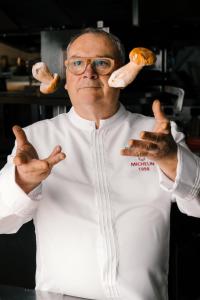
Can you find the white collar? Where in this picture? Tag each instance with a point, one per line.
(90, 125)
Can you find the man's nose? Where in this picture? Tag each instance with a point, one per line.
(90, 72)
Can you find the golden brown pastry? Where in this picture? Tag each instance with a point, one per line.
(49, 81)
(139, 57)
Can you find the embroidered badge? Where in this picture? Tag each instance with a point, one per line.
(141, 164)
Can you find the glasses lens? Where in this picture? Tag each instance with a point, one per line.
(76, 65)
(102, 66)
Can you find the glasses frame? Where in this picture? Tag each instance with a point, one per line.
(89, 60)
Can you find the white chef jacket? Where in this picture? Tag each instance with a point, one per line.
(101, 219)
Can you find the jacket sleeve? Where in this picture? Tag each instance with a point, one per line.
(16, 207)
(186, 188)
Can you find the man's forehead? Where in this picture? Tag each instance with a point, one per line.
(89, 36)
(92, 45)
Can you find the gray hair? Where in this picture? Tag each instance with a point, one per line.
(120, 51)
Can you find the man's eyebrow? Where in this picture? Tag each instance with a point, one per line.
(75, 56)
(106, 56)
(96, 56)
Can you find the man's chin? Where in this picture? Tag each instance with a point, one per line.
(89, 99)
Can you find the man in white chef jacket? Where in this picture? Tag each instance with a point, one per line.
(101, 199)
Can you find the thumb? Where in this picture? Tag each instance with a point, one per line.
(158, 112)
(20, 136)
(162, 124)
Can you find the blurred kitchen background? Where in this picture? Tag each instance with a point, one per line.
(39, 30)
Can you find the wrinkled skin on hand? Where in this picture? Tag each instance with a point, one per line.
(30, 170)
(158, 145)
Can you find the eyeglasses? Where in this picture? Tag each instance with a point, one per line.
(101, 65)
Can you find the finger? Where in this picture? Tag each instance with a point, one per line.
(55, 151)
(134, 152)
(54, 159)
(152, 137)
(20, 136)
(56, 156)
(140, 148)
(138, 145)
(37, 166)
(158, 112)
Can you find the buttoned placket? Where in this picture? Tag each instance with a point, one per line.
(107, 241)
(107, 244)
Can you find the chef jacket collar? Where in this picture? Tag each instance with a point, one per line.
(90, 125)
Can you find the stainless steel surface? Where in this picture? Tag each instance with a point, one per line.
(17, 293)
(174, 91)
(180, 97)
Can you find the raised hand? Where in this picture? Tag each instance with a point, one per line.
(158, 145)
(30, 170)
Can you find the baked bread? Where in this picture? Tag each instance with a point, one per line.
(49, 81)
(139, 57)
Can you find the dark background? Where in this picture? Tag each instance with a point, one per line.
(171, 28)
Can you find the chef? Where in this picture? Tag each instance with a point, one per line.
(98, 183)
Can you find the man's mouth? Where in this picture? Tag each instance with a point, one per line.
(89, 87)
(85, 87)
